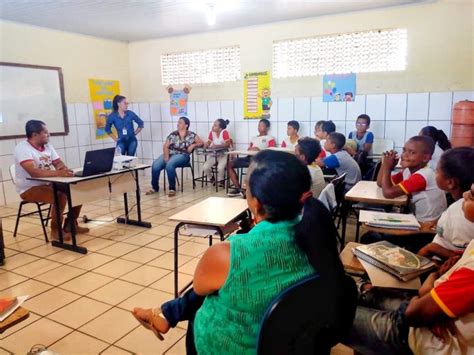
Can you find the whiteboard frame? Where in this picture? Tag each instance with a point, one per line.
(61, 88)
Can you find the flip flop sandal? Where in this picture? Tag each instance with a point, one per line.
(149, 325)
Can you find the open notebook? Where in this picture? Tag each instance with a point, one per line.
(389, 220)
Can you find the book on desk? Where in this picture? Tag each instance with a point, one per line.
(397, 261)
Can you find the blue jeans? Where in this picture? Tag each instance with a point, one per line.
(175, 161)
(379, 325)
(128, 145)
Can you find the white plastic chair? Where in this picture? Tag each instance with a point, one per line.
(381, 145)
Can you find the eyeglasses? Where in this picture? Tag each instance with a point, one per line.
(361, 124)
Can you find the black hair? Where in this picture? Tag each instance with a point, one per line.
(319, 123)
(328, 127)
(34, 126)
(186, 121)
(266, 122)
(338, 139)
(294, 124)
(455, 164)
(427, 142)
(117, 99)
(222, 123)
(310, 148)
(365, 117)
(277, 181)
(437, 135)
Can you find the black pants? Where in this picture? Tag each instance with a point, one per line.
(181, 309)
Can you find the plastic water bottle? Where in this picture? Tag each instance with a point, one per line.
(118, 151)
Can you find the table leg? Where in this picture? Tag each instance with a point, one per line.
(127, 220)
(176, 235)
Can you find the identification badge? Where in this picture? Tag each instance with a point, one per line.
(124, 132)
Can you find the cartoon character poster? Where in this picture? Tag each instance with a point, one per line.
(178, 100)
(339, 87)
(257, 95)
(102, 93)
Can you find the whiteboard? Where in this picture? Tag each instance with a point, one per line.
(31, 92)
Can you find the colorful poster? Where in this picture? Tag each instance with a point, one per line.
(339, 87)
(178, 103)
(257, 95)
(102, 93)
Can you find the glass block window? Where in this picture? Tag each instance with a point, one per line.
(358, 52)
(201, 67)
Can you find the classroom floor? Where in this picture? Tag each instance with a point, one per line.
(81, 303)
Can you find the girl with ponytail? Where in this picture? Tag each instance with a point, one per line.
(442, 143)
(294, 237)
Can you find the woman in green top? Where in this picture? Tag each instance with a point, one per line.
(236, 281)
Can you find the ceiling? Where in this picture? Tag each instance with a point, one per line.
(132, 20)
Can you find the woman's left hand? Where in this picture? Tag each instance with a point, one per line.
(191, 148)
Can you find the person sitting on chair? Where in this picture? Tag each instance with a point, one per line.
(235, 282)
(36, 157)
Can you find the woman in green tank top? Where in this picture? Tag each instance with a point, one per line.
(235, 282)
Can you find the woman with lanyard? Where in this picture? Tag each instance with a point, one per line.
(122, 119)
(176, 151)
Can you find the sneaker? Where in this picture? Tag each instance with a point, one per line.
(150, 192)
(171, 193)
(234, 192)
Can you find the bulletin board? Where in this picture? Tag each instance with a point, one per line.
(31, 92)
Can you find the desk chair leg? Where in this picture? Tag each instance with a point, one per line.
(357, 230)
(182, 179)
(192, 175)
(18, 217)
(40, 212)
(48, 216)
(344, 209)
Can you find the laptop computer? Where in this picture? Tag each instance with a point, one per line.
(97, 162)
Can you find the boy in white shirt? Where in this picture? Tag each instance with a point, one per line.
(307, 150)
(35, 157)
(292, 133)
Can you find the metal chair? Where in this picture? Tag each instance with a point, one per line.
(40, 206)
(188, 165)
(309, 317)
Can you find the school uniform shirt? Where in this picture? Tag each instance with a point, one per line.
(317, 180)
(42, 157)
(454, 231)
(368, 137)
(438, 152)
(453, 292)
(287, 143)
(262, 142)
(344, 163)
(218, 140)
(124, 126)
(427, 201)
(324, 153)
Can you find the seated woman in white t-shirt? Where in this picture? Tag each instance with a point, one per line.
(307, 150)
(292, 133)
(442, 143)
(260, 142)
(219, 137)
(35, 157)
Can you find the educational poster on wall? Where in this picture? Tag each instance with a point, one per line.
(102, 93)
(257, 95)
(178, 103)
(339, 87)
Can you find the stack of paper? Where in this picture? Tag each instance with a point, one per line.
(389, 220)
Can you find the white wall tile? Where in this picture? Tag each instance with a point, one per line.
(155, 112)
(145, 133)
(5, 162)
(7, 146)
(239, 110)
(417, 106)
(355, 108)
(135, 108)
(214, 108)
(274, 110)
(167, 128)
(202, 111)
(340, 126)
(90, 111)
(144, 111)
(11, 196)
(227, 110)
(319, 110)
(395, 130)
(445, 126)
(280, 129)
(337, 111)
(202, 129)
(241, 133)
(147, 150)
(375, 107)
(165, 112)
(156, 134)
(82, 113)
(84, 135)
(440, 106)
(306, 129)
(285, 109)
(57, 141)
(191, 114)
(62, 153)
(157, 149)
(71, 114)
(378, 128)
(462, 95)
(302, 109)
(413, 128)
(253, 129)
(396, 107)
(72, 157)
(71, 140)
